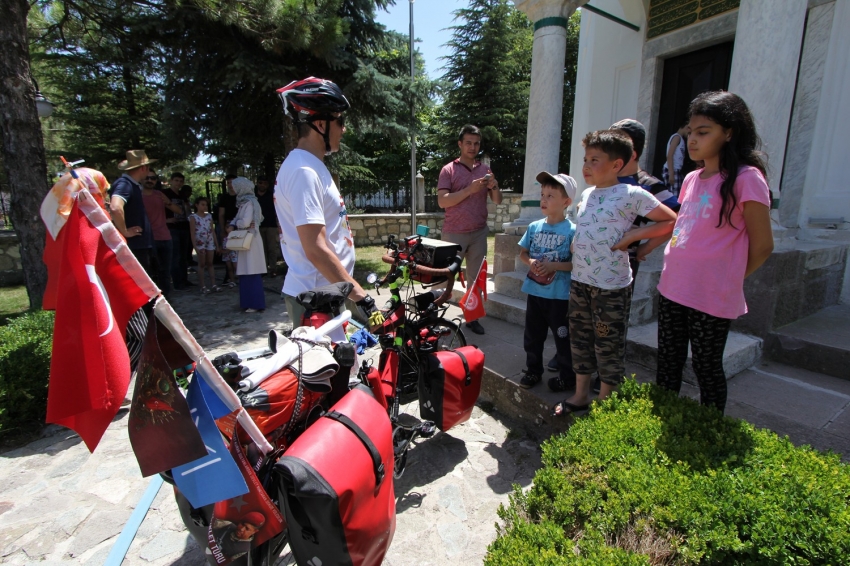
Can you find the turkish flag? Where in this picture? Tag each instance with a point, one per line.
(472, 303)
(100, 285)
(243, 523)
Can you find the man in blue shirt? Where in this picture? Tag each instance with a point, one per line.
(128, 209)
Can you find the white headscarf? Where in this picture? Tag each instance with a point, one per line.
(245, 193)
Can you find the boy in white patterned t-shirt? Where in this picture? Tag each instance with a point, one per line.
(600, 293)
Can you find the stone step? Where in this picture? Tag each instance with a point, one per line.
(510, 283)
(510, 305)
(820, 342)
(742, 351)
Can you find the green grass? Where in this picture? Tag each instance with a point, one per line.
(369, 260)
(13, 301)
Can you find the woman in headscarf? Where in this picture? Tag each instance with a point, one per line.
(252, 262)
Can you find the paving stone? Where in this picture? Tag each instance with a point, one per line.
(451, 498)
(71, 519)
(163, 544)
(41, 542)
(455, 537)
(101, 526)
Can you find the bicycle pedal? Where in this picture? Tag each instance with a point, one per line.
(408, 421)
(427, 429)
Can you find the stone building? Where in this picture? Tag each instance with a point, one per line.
(647, 59)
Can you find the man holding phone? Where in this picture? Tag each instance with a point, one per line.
(462, 192)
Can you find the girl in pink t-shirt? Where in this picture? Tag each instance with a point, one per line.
(722, 235)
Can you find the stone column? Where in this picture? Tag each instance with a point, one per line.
(543, 137)
(768, 40)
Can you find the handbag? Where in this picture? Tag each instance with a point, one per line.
(239, 240)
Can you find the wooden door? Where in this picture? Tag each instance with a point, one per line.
(686, 76)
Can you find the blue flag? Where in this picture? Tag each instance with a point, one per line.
(216, 476)
(214, 403)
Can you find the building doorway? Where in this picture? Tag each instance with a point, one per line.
(686, 76)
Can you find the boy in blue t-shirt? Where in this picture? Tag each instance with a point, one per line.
(546, 251)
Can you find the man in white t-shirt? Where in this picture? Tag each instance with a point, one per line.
(316, 238)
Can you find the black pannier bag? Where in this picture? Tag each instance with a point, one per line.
(335, 485)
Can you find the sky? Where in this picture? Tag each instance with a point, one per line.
(431, 20)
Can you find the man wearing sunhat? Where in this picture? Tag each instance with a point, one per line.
(128, 208)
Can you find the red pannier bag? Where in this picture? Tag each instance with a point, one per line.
(273, 403)
(335, 485)
(449, 386)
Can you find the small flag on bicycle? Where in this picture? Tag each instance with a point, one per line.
(215, 477)
(472, 303)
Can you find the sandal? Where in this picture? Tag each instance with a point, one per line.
(217, 289)
(205, 291)
(230, 284)
(566, 408)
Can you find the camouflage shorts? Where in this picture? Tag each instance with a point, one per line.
(598, 319)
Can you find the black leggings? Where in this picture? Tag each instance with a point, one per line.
(678, 325)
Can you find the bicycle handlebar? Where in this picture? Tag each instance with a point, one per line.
(449, 272)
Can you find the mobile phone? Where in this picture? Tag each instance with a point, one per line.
(488, 176)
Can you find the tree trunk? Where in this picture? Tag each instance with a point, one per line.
(23, 145)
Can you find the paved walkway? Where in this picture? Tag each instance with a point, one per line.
(62, 505)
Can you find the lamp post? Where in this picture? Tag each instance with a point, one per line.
(43, 106)
(412, 133)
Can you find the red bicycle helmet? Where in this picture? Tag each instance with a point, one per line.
(312, 99)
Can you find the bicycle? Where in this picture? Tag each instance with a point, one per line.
(413, 327)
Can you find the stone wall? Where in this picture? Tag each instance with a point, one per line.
(373, 229)
(11, 270)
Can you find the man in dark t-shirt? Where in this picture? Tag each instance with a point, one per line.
(178, 226)
(127, 207)
(632, 174)
(269, 228)
(227, 209)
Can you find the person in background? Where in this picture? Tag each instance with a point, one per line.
(269, 229)
(226, 208)
(251, 264)
(156, 204)
(178, 227)
(672, 172)
(462, 191)
(723, 234)
(205, 242)
(127, 208)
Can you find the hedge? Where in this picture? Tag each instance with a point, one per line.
(649, 478)
(25, 346)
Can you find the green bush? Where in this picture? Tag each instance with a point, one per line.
(649, 478)
(25, 346)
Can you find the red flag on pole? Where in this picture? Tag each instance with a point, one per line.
(100, 286)
(472, 303)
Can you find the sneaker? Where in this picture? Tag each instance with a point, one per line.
(529, 379)
(475, 326)
(230, 284)
(596, 384)
(553, 364)
(558, 384)
(252, 310)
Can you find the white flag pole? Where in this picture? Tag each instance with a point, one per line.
(165, 314)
